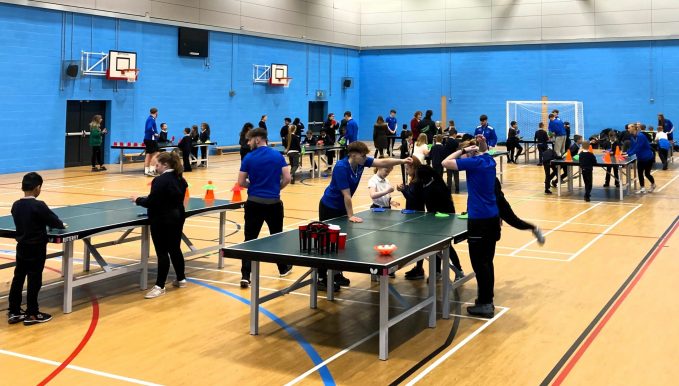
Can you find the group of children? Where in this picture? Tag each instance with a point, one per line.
(186, 144)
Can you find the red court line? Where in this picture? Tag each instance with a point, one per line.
(585, 345)
(46, 267)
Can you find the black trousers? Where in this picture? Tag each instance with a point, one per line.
(194, 151)
(243, 153)
(166, 234)
(96, 156)
(187, 161)
(203, 155)
(541, 149)
(256, 215)
(390, 149)
(381, 151)
(644, 168)
(293, 158)
(330, 155)
(514, 146)
(663, 153)
(453, 175)
(30, 262)
(551, 172)
(615, 175)
(587, 179)
(326, 213)
(483, 235)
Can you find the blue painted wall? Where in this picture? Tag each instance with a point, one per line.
(615, 81)
(185, 90)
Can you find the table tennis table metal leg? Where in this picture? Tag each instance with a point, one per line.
(569, 175)
(621, 186)
(122, 157)
(502, 171)
(67, 264)
(432, 289)
(384, 317)
(330, 284)
(86, 258)
(636, 176)
(222, 236)
(254, 299)
(145, 247)
(445, 286)
(558, 184)
(313, 293)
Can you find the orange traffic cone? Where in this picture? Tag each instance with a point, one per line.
(236, 193)
(618, 152)
(186, 195)
(209, 191)
(569, 157)
(607, 157)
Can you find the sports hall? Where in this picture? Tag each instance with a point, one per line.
(592, 304)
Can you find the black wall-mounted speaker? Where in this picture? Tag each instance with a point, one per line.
(193, 42)
(72, 70)
(346, 82)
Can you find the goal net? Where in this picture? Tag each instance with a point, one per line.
(529, 114)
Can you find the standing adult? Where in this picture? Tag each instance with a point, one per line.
(330, 126)
(95, 141)
(645, 157)
(204, 137)
(262, 122)
(265, 173)
(300, 127)
(484, 221)
(557, 129)
(243, 139)
(165, 204)
(284, 130)
(380, 139)
(414, 123)
(487, 131)
(150, 141)
(392, 125)
(427, 126)
(351, 133)
(668, 127)
(336, 200)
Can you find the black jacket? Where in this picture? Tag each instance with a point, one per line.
(541, 136)
(31, 219)
(587, 161)
(204, 136)
(435, 192)
(437, 154)
(162, 137)
(165, 203)
(185, 144)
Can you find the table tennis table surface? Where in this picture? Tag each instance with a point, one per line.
(413, 234)
(87, 219)
(599, 161)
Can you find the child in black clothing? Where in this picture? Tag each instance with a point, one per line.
(406, 135)
(437, 154)
(575, 150)
(204, 137)
(162, 137)
(412, 191)
(507, 214)
(310, 140)
(587, 161)
(550, 171)
(542, 138)
(31, 219)
(195, 137)
(614, 146)
(451, 146)
(185, 146)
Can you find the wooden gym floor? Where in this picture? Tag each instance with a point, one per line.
(594, 305)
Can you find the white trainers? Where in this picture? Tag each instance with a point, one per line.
(179, 284)
(652, 188)
(537, 232)
(155, 292)
(641, 191)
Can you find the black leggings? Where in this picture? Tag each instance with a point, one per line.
(453, 175)
(483, 235)
(644, 168)
(381, 151)
(30, 262)
(256, 215)
(167, 237)
(96, 156)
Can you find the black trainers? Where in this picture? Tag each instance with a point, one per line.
(322, 285)
(553, 183)
(342, 280)
(244, 283)
(40, 317)
(587, 199)
(102, 168)
(547, 191)
(13, 318)
(392, 275)
(415, 274)
(482, 310)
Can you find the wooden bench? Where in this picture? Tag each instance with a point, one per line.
(131, 157)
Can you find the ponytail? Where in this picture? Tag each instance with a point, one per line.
(172, 160)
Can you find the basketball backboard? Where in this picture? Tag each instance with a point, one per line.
(119, 62)
(279, 75)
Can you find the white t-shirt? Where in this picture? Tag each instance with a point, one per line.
(418, 151)
(660, 135)
(380, 185)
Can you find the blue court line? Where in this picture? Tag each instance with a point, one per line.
(306, 346)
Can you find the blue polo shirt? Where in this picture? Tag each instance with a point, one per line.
(556, 126)
(488, 133)
(480, 170)
(150, 128)
(343, 178)
(641, 148)
(263, 166)
(391, 123)
(351, 131)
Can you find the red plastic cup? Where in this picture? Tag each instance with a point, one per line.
(342, 240)
(115, 143)
(129, 144)
(136, 144)
(143, 144)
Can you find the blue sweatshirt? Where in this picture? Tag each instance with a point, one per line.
(488, 133)
(556, 126)
(150, 128)
(391, 123)
(351, 131)
(641, 148)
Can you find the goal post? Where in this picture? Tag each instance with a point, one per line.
(529, 114)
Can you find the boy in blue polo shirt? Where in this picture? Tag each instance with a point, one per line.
(484, 222)
(486, 131)
(392, 126)
(261, 171)
(336, 200)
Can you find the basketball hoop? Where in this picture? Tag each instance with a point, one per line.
(281, 82)
(131, 74)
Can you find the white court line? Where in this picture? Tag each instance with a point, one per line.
(600, 235)
(524, 257)
(538, 250)
(78, 368)
(555, 229)
(573, 223)
(455, 349)
(666, 184)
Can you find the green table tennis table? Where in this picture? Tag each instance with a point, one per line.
(86, 221)
(317, 150)
(627, 172)
(417, 235)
